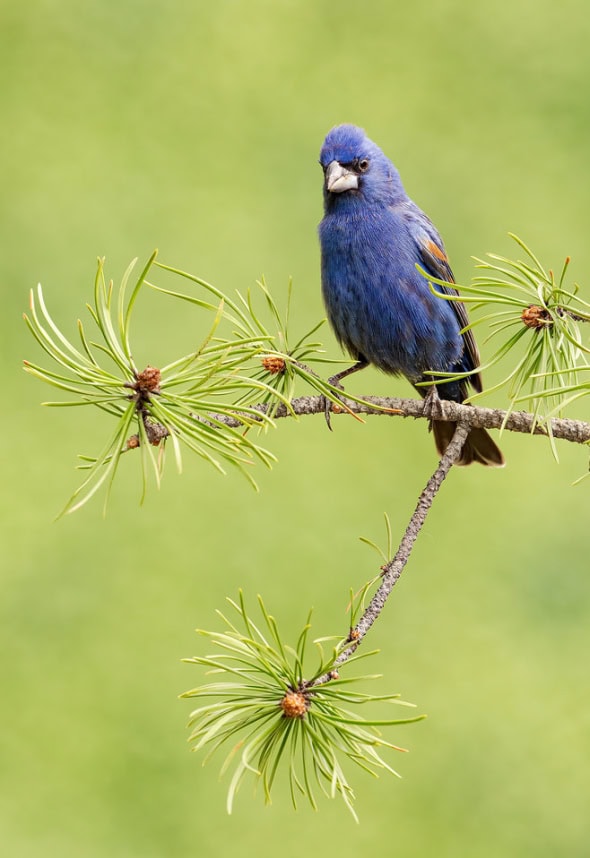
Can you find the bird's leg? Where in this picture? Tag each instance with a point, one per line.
(335, 380)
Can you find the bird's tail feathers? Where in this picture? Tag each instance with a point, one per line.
(479, 445)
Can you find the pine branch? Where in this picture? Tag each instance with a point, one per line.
(249, 365)
(244, 373)
(264, 685)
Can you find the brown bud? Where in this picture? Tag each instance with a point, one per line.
(334, 674)
(354, 635)
(535, 317)
(274, 364)
(149, 379)
(132, 442)
(294, 704)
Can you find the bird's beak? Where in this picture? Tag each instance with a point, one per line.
(339, 179)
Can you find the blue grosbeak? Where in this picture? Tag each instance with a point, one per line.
(379, 305)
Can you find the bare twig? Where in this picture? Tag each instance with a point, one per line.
(394, 568)
(576, 431)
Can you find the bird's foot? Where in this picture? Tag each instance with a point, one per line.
(432, 406)
(329, 405)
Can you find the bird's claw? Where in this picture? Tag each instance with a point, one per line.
(329, 404)
(327, 410)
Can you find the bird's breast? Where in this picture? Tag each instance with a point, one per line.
(378, 304)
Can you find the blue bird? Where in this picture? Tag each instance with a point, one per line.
(379, 306)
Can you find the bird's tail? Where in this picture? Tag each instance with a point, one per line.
(479, 445)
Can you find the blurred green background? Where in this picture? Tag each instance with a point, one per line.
(195, 127)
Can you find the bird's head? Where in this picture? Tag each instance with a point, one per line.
(354, 166)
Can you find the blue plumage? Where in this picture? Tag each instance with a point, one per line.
(380, 307)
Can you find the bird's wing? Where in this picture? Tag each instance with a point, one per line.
(435, 260)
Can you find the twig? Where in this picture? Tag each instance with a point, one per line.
(394, 568)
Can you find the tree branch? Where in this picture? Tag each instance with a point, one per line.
(392, 570)
(576, 431)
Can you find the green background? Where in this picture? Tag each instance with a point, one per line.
(195, 127)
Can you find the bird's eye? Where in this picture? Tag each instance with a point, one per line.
(363, 165)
